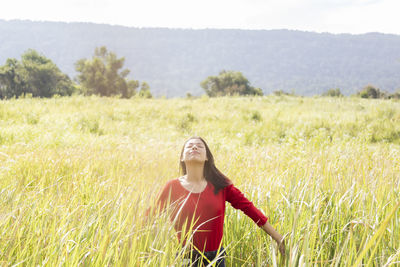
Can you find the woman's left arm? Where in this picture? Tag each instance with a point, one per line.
(276, 236)
(239, 201)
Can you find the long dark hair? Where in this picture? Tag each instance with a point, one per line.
(210, 172)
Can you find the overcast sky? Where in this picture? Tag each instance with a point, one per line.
(335, 16)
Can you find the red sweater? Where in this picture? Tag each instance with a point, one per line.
(206, 210)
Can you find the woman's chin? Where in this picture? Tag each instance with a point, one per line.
(194, 160)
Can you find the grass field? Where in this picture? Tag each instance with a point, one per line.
(77, 175)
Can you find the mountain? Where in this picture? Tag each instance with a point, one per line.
(175, 61)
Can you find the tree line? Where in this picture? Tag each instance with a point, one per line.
(104, 75)
(38, 76)
(368, 91)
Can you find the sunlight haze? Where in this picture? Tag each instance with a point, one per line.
(335, 16)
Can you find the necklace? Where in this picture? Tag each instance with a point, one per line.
(193, 187)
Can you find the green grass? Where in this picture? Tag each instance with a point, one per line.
(77, 175)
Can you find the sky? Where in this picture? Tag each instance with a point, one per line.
(334, 16)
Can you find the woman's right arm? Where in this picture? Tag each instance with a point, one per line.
(162, 200)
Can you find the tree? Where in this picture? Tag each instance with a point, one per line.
(11, 83)
(43, 77)
(102, 75)
(229, 83)
(34, 74)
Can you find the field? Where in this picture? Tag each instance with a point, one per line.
(77, 175)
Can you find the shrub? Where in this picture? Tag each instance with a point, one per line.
(333, 93)
(281, 93)
(370, 91)
(395, 95)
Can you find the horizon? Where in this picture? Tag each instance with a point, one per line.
(331, 16)
(194, 29)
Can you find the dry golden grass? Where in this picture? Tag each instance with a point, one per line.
(78, 173)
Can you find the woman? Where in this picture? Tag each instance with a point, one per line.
(197, 202)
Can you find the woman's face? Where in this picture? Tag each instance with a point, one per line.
(194, 150)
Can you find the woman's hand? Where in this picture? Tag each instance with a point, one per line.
(276, 236)
(281, 247)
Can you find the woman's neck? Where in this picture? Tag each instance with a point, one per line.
(194, 172)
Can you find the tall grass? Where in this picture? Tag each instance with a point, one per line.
(77, 175)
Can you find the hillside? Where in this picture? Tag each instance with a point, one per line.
(175, 61)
